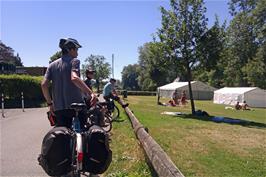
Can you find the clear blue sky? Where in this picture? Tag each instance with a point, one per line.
(33, 28)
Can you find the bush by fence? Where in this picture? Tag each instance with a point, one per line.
(13, 85)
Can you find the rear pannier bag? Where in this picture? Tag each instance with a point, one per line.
(97, 154)
(56, 153)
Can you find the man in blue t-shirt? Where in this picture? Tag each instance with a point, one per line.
(67, 87)
(110, 92)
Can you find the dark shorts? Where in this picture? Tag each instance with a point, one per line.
(64, 118)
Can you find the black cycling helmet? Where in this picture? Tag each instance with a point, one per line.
(69, 43)
(90, 70)
(113, 79)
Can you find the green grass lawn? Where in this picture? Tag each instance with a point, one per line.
(197, 147)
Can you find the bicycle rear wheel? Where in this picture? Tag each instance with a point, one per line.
(115, 113)
(74, 172)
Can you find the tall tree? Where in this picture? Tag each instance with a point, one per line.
(211, 52)
(182, 27)
(256, 69)
(102, 68)
(7, 56)
(130, 77)
(154, 68)
(259, 19)
(242, 42)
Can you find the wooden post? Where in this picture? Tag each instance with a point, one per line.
(3, 105)
(161, 163)
(22, 101)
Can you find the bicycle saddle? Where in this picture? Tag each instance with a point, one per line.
(78, 106)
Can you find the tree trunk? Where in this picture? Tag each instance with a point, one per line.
(190, 89)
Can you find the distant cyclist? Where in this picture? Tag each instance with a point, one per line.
(110, 92)
(90, 72)
(67, 87)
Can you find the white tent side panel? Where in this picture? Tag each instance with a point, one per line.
(200, 90)
(256, 98)
(227, 98)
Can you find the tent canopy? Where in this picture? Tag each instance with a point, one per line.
(254, 96)
(200, 90)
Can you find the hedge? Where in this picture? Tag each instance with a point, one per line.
(12, 86)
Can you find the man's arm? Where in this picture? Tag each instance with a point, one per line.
(46, 94)
(45, 90)
(83, 87)
(79, 83)
(114, 92)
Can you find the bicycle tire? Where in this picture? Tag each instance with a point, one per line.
(73, 173)
(107, 123)
(115, 113)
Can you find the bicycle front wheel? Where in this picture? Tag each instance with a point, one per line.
(107, 123)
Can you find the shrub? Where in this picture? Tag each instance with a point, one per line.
(13, 85)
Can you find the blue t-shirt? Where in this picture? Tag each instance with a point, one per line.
(64, 91)
(108, 88)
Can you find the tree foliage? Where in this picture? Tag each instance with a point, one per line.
(57, 55)
(245, 43)
(211, 51)
(155, 70)
(130, 77)
(7, 56)
(221, 55)
(99, 64)
(182, 28)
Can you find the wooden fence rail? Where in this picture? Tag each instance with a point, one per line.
(160, 161)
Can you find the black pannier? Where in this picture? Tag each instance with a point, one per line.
(97, 154)
(56, 153)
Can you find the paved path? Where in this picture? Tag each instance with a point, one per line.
(21, 138)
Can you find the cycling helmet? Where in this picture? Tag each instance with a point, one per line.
(90, 70)
(68, 43)
(113, 79)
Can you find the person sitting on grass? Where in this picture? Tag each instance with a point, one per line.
(237, 106)
(171, 103)
(245, 106)
(183, 99)
(175, 98)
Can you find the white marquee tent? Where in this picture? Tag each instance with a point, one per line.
(200, 90)
(254, 96)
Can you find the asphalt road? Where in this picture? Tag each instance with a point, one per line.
(21, 138)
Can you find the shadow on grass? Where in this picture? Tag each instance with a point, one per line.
(227, 120)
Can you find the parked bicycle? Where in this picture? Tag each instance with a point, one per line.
(77, 153)
(78, 150)
(113, 110)
(97, 115)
